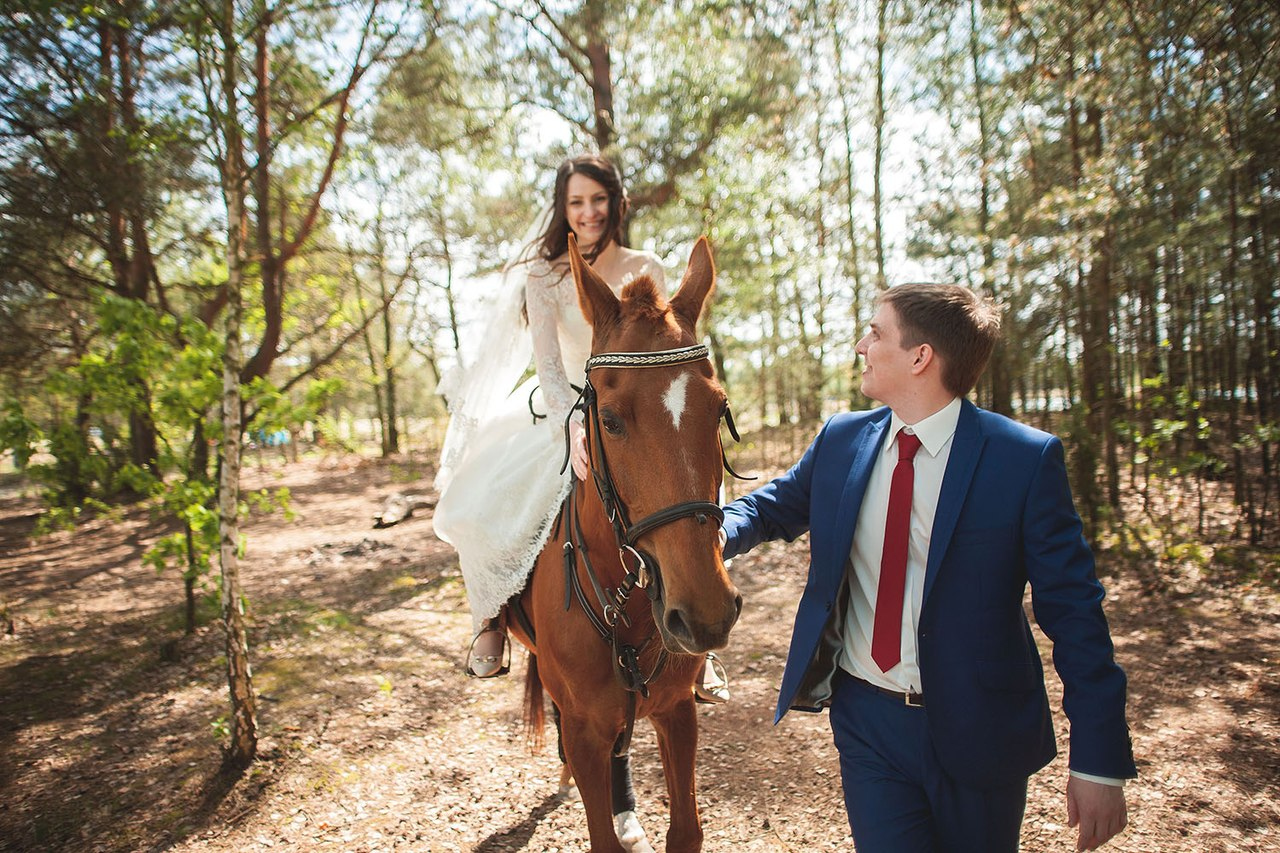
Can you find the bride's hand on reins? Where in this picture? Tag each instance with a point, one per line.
(578, 450)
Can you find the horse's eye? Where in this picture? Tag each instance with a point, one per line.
(611, 423)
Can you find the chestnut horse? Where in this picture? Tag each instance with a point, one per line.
(648, 520)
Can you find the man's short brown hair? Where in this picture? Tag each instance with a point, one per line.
(961, 326)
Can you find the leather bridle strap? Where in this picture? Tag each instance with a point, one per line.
(698, 509)
(659, 358)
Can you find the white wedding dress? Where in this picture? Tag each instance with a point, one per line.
(500, 481)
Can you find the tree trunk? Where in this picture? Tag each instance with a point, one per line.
(1098, 347)
(597, 50)
(107, 147)
(446, 256)
(244, 732)
(143, 446)
(199, 468)
(270, 262)
(998, 370)
(128, 249)
(277, 249)
(813, 348)
(882, 37)
(189, 579)
(857, 400)
(390, 431)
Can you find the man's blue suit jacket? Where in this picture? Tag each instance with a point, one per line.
(1005, 518)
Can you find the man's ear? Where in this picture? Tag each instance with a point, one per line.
(925, 356)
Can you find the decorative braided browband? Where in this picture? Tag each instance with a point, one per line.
(661, 358)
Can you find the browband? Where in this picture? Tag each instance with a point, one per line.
(661, 358)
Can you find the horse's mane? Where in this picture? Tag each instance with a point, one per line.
(642, 300)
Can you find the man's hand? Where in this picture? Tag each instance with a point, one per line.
(578, 450)
(1099, 810)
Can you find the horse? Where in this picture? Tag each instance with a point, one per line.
(652, 411)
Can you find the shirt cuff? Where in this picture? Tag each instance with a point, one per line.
(1103, 780)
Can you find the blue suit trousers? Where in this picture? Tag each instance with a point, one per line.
(898, 797)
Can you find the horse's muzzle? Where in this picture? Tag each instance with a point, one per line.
(684, 633)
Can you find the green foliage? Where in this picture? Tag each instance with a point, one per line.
(145, 369)
(19, 434)
(1261, 435)
(194, 548)
(266, 501)
(1188, 553)
(331, 433)
(1172, 444)
(220, 728)
(192, 502)
(275, 410)
(78, 466)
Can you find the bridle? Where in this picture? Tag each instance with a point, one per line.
(640, 568)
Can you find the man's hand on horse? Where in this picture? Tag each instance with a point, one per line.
(578, 450)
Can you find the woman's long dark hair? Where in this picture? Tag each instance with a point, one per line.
(554, 242)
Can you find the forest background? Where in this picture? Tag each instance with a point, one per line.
(277, 222)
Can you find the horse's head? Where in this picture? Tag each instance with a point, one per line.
(656, 441)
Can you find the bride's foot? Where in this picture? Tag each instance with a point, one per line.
(713, 688)
(488, 656)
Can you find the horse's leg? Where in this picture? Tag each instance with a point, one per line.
(568, 790)
(623, 797)
(677, 730)
(588, 750)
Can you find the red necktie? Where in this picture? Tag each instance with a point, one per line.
(886, 635)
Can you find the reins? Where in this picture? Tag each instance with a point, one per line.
(640, 569)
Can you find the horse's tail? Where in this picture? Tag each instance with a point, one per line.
(534, 710)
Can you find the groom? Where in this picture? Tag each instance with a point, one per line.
(928, 519)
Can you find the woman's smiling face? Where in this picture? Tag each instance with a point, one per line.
(586, 209)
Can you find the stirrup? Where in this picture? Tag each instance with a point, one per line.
(491, 666)
(712, 688)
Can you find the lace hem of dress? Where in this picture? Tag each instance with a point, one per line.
(489, 588)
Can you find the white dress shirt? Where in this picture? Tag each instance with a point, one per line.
(935, 433)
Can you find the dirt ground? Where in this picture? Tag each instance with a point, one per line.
(373, 740)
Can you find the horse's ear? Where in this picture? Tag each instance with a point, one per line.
(697, 285)
(595, 298)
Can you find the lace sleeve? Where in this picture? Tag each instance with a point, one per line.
(541, 294)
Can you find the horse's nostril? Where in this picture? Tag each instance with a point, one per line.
(737, 607)
(676, 626)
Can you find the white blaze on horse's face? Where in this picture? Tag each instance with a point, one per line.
(674, 398)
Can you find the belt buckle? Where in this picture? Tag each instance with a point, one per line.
(906, 698)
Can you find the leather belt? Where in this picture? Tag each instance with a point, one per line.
(911, 700)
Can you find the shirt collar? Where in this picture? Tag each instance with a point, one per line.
(934, 431)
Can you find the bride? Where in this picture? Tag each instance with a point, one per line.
(500, 483)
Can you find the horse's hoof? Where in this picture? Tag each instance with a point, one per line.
(630, 834)
(568, 789)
